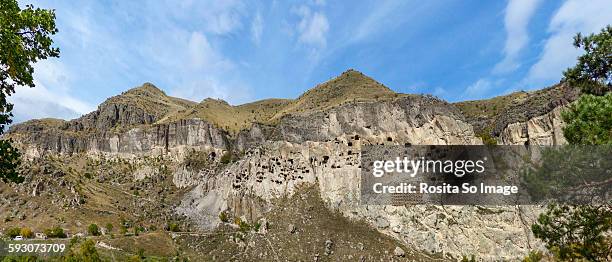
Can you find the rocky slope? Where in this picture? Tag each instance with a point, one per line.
(244, 166)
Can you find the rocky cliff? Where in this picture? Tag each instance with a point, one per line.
(313, 140)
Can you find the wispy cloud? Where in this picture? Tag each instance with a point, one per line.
(479, 89)
(43, 101)
(518, 14)
(376, 19)
(312, 27)
(257, 28)
(558, 54)
(217, 17)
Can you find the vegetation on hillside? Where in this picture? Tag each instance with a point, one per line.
(350, 86)
(228, 117)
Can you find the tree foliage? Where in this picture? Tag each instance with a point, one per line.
(584, 232)
(87, 253)
(25, 38)
(574, 233)
(9, 161)
(593, 72)
(589, 120)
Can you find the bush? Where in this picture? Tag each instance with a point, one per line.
(196, 160)
(122, 229)
(141, 253)
(26, 233)
(487, 139)
(226, 158)
(55, 232)
(173, 227)
(93, 230)
(223, 217)
(88, 252)
(138, 230)
(534, 256)
(13, 232)
(242, 225)
(109, 227)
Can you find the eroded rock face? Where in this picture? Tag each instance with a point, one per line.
(546, 129)
(276, 169)
(171, 138)
(330, 160)
(322, 148)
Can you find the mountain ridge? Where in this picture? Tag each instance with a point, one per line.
(148, 105)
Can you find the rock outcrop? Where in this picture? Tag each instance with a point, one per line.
(320, 147)
(546, 129)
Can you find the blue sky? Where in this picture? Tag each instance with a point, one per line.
(242, 51)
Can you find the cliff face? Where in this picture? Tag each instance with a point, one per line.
(546, 129)
(291, 147)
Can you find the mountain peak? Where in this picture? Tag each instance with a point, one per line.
(350, 86)
(146, 89)
(352, 71)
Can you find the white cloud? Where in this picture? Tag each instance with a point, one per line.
(202, 56)
(257, 28)
(377, 19)
(217, 17)
(41, 102)
(558, 54)
(312, 27)
(50, 96)
(319, 2)
(477, 90)
(440, 92)
(518, 13)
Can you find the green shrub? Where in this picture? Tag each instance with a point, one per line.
(13, 232)
(109, 227)
(93, 230)
(196, 160)
(487, 139)
(141, 253)
(226, 158)
(223, 217)
(533, 256)
(87, 252)
(122, 229)
(242, 225)
(55, 232)
(173, 227)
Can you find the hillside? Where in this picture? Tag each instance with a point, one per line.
(150, 99)
(350, 86)
(490, 116)
(228, 117)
